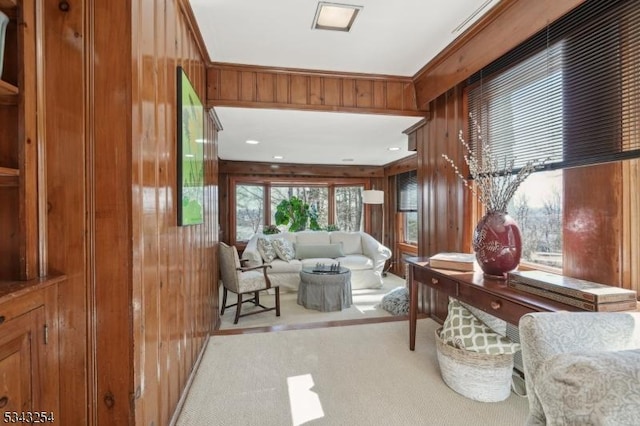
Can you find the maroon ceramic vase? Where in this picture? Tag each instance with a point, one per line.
(498, 244)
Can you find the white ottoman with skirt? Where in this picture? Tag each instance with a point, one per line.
(325, 290)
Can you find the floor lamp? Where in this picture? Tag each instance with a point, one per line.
(373, 196)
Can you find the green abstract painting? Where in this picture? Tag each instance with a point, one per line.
(190, 153)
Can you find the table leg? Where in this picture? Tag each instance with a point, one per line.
(413, 309)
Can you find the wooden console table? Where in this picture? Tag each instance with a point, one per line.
(490, 295)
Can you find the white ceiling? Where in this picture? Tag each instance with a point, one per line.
(388, 37)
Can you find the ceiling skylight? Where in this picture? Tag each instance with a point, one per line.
(335, 17)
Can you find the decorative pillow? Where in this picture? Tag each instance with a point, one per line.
(266, 250)
(284, 249)
(464, 331)
(351, 241)
(494, 323)
(396, 301)
(598, 388)
(319, 251)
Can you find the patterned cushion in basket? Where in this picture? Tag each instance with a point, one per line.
(463, 330)
(284, 249)
(266, 250)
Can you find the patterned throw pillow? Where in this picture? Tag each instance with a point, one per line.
(464, 331)
(266, 250)
(284, 249)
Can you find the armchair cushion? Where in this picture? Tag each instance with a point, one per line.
(600, 388)
(546, 335)
(251, 281)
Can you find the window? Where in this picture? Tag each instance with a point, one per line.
(410, 228)
(337, 202)
(570, 95)
(407, 206)
(537, 208)
(349, 211)
(249, 210)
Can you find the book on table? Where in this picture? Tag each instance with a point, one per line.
(455, 261)
(582, 290)
(625, 305)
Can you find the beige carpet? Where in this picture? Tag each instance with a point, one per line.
(364, 306)
(354, 375)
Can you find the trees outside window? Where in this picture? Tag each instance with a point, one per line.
(349, 211)
(537, 208)
(249, 210)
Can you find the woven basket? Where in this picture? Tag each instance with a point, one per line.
(481, 377)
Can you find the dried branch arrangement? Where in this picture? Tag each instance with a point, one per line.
(494, 181)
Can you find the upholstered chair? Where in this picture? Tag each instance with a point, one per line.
(242, 281)
(582, 368)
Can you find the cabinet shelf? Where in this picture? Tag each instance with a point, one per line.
(8, 171)
(11, 289)
(7, 88)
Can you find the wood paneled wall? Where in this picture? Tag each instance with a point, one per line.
(592, 223)
(261, 87)
(69, 248)
(442, 198)
(139, 301)
(444, 215)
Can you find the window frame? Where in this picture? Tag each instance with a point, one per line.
(268, 182)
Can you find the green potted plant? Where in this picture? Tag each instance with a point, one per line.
(270, 229)
(297, 214)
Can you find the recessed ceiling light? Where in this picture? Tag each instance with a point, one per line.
(334, 16)
(278, 157)
(394, 148)
(252, 142)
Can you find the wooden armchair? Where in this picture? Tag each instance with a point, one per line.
(242, 281)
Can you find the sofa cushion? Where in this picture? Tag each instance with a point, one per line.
(312, 262)
(312, 237)
(351, 241)
(310, 251)
(356, 262)
(464, 331)
(266, 249)
(590, 388)
(284, 249)
(279, 266)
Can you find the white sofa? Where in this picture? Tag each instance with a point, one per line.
(363, 255)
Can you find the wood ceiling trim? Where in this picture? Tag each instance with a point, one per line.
(504, 27)
(282, 88)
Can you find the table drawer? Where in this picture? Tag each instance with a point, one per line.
(494, 305)
(436, 281)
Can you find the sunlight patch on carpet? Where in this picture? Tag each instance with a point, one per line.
(305, 404)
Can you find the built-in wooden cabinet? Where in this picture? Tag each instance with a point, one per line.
(29, 373)
(29, 350)
(18, 146)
